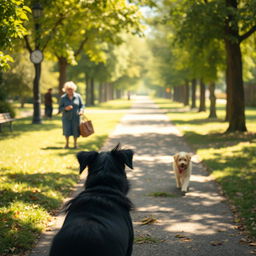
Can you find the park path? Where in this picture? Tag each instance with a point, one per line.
(198, 224)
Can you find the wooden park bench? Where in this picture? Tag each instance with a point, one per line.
(6, 118)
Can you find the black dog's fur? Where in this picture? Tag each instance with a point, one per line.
(98, 221)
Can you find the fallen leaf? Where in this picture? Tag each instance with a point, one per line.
(252, 244)
(183, 238)
(243, 240)
(237, 220)
(216, 243)
(246, 241)
(180, 236)
(148, 220)
(186, 239)
(34, 198)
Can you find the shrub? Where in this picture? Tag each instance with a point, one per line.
(7, 107)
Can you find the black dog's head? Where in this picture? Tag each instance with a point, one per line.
(106, 168)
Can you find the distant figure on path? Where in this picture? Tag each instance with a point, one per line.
(48, 103)
(72, 108)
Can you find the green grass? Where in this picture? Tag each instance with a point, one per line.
(113, 104)
(230, 158)
(37, 174)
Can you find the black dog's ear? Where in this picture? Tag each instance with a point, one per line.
(127, 155)
(85, 158)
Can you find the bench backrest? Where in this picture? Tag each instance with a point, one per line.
(5, 116)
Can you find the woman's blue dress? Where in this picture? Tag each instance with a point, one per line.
(71, 118)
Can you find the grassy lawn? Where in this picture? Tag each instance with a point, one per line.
(37, 173)
(230, 158)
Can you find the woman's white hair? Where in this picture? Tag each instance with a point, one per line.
(68, 85)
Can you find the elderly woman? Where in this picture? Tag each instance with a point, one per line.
(72, 107)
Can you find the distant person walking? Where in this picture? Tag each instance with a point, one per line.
(48, 103)
(72, 108)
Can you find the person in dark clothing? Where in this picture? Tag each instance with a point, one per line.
(48, 103)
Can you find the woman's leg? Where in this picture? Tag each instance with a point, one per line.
(67, 142)
(75, 142)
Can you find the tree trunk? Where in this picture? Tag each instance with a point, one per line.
(202, 106)
(235, 80)
(111, 91)
(63, 64)
(186, 94)
(175, 93)
(22, 102)
(92, 95)
(118, 94)
(235, 71)
(2, 94)
(37, 95)
(178, 94)
(212, 101)
(87, 90)
(193, 94)
(228, 88)
(100, 92)
(104, 92)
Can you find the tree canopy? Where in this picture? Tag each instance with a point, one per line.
(13, 13)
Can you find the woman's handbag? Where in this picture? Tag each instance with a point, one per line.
(86, 127)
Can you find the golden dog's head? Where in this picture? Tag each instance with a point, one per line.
(182, 160)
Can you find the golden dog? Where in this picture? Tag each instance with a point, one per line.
(182, 167)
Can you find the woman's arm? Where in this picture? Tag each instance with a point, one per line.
(61, 105)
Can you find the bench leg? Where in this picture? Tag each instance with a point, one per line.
(11, 129)
(0, 127)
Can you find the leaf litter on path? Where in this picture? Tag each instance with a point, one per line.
(148, 220)
(183, 238)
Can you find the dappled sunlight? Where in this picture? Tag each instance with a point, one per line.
(200, 178)
(155, 159)
(154, 208)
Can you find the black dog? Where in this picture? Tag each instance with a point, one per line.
(98, 221)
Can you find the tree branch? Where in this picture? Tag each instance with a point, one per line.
(247, 34)
(58, 22)
(28, 46)
(81, 46)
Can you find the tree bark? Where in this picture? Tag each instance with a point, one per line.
(186, 94)
(193, 94)
(111, 91)
(235, 72)
(228, 88)
(36, 95)
(212, 101)
(175, 93)
(92, 94)
(100, 92)
(87, 90)
(178, 94)
(202, 106)
(118, 94)
(63, 64)
(235, 80)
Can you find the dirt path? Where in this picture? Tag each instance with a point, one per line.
(198, 224)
